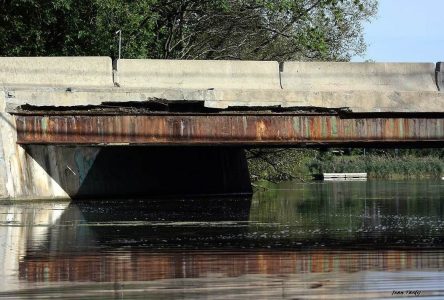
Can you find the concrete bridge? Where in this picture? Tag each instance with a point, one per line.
(59, 115)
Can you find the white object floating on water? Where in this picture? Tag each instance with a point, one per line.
(345, 176)
(345, 179)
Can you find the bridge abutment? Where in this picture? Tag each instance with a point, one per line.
(41, 172)
(54, 171)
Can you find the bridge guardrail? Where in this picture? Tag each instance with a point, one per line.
(197, 74)
(344, 76)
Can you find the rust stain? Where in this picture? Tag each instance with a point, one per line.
(260, 129)
(224, 129)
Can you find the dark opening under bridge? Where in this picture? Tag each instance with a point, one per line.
(63, 111)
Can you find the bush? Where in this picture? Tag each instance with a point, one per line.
(287, 164)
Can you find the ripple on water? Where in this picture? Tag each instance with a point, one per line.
(335, 240)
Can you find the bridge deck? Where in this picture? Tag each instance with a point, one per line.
(242, 129)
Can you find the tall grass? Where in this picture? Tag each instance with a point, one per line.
(285, 164)
(377, 166)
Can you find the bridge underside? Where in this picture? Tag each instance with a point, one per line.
(242, 129)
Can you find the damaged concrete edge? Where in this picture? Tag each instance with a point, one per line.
(357, 101)
(172, 108)
(285, 93)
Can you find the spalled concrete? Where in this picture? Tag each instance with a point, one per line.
(356, 101)
(195, 74)
(360, 87)
(56, 71)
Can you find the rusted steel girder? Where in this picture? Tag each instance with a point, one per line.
(227, 129)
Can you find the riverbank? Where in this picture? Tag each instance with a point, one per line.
(277, 165)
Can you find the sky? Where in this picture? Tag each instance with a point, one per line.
(406, 31)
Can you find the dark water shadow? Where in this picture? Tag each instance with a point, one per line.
(149, 224)
(200, 209)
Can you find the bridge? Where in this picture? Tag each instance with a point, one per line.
(68, 122)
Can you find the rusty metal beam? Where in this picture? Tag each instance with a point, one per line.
(219, 129)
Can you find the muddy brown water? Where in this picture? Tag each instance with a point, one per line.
(330, 240)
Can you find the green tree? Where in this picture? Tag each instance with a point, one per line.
(187, 29)
(192, 29)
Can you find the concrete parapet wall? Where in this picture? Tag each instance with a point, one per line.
(197, 74)
(222, 75)
(56, 71)
(344, 76)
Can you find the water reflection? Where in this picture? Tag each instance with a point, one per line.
(292, 240)
(154, 224)
(376, 214)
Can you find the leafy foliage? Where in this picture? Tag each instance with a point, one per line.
(187, 29)
(276, 165)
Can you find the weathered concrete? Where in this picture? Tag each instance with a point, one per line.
(56, 71)
(360, 87)
(344, 76)
(195, 74)
(21, 175)
(356, 101)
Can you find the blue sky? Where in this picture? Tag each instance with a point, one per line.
(406, 31)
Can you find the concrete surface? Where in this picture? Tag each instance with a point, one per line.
(197, 74)
(21, 175)
(56, 71)
(356, 101)
(360, 87)
(344, 76)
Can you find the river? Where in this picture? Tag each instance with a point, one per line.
(331, 240)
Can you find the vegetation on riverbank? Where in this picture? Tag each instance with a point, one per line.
(289, 164)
